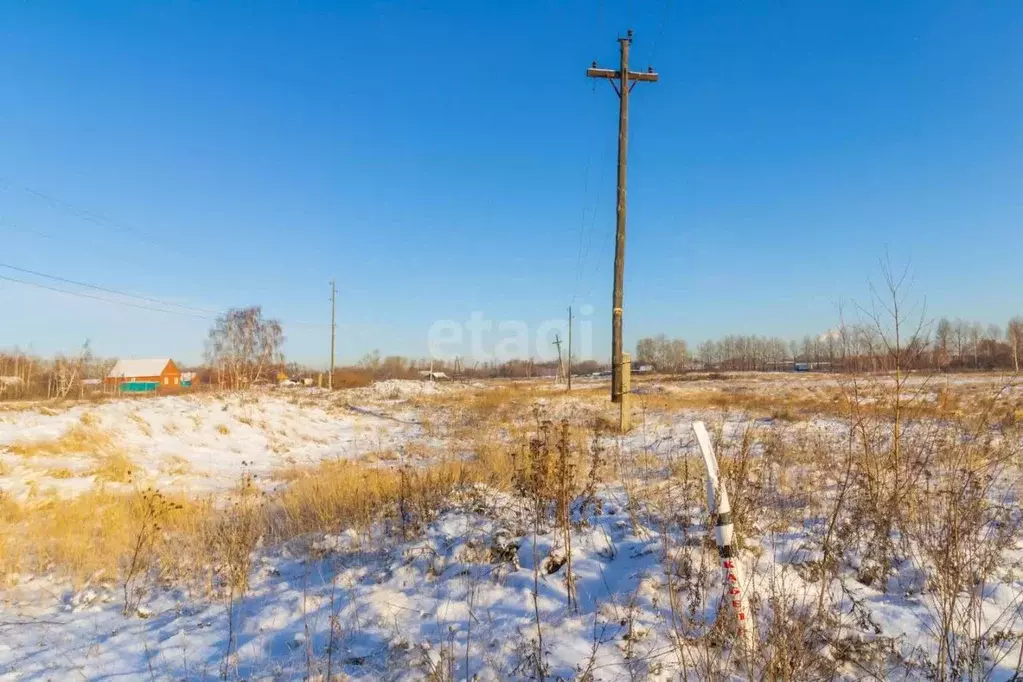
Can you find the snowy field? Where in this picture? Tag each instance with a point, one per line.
(199, 444)
(475, 583)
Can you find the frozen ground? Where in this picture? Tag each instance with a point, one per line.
(457, 601)
(460, 598)
(203, 443)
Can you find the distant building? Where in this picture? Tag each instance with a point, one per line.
(432, 376)
(142, 375)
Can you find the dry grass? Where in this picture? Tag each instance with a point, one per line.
(75, 537)
(113, 467)
(144, 426)
(113, 464)
(77, 439)
(485, 407)
(380, 456)
(89, 419)
(278, 447)
(176, 465)
(336, 495)
(222, 429)
(97, 530)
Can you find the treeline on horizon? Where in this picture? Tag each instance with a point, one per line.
(948, 345)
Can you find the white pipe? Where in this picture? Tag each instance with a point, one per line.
(724, 535)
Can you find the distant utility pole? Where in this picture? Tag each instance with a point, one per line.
(569, 348)
(626, 81)
(333, 330)
(561, 367)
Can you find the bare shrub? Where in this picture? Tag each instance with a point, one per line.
(152, 509)
(965, 521)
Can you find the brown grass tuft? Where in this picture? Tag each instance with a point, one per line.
(176, 465)
(89, 419)
(113, 467)
(75, 537)
(77, 439)
(144, 426)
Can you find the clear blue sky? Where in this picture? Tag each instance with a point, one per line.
(440, 158)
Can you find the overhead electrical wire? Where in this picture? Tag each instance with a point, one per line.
(86, 214)
(658, 39)
(186, 311)
(660, 31)
(101, 298)
(584, 250)
(96, 218)
(580, 257)
(105, 289)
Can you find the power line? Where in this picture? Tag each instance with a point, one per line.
(99, 219)
(106, 290)
(660, 30)
(100, 298)
(86, 214)
(96, 287)
(586, 192)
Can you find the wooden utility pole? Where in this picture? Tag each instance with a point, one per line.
(333, 331)
(561, 367)
(626, 80)
(569, 348)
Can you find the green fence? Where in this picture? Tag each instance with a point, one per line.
(138, 386)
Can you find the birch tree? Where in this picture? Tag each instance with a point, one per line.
(242, 346)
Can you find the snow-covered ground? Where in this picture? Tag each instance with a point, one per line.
(199, 443)
(461, 600)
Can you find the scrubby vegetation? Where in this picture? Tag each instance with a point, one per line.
(852, 500)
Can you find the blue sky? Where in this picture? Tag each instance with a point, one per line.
(440, 159)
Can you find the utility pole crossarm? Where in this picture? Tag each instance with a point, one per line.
(594, 72)
(648, 76)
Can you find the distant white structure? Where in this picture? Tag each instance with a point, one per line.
(431, 375)
(139, 367)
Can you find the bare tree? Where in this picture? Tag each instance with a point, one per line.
(1015, 333)
(942, 340)
(242, 346)
(960, 332)
(666, 355)
(976, 333)
(67, 372)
